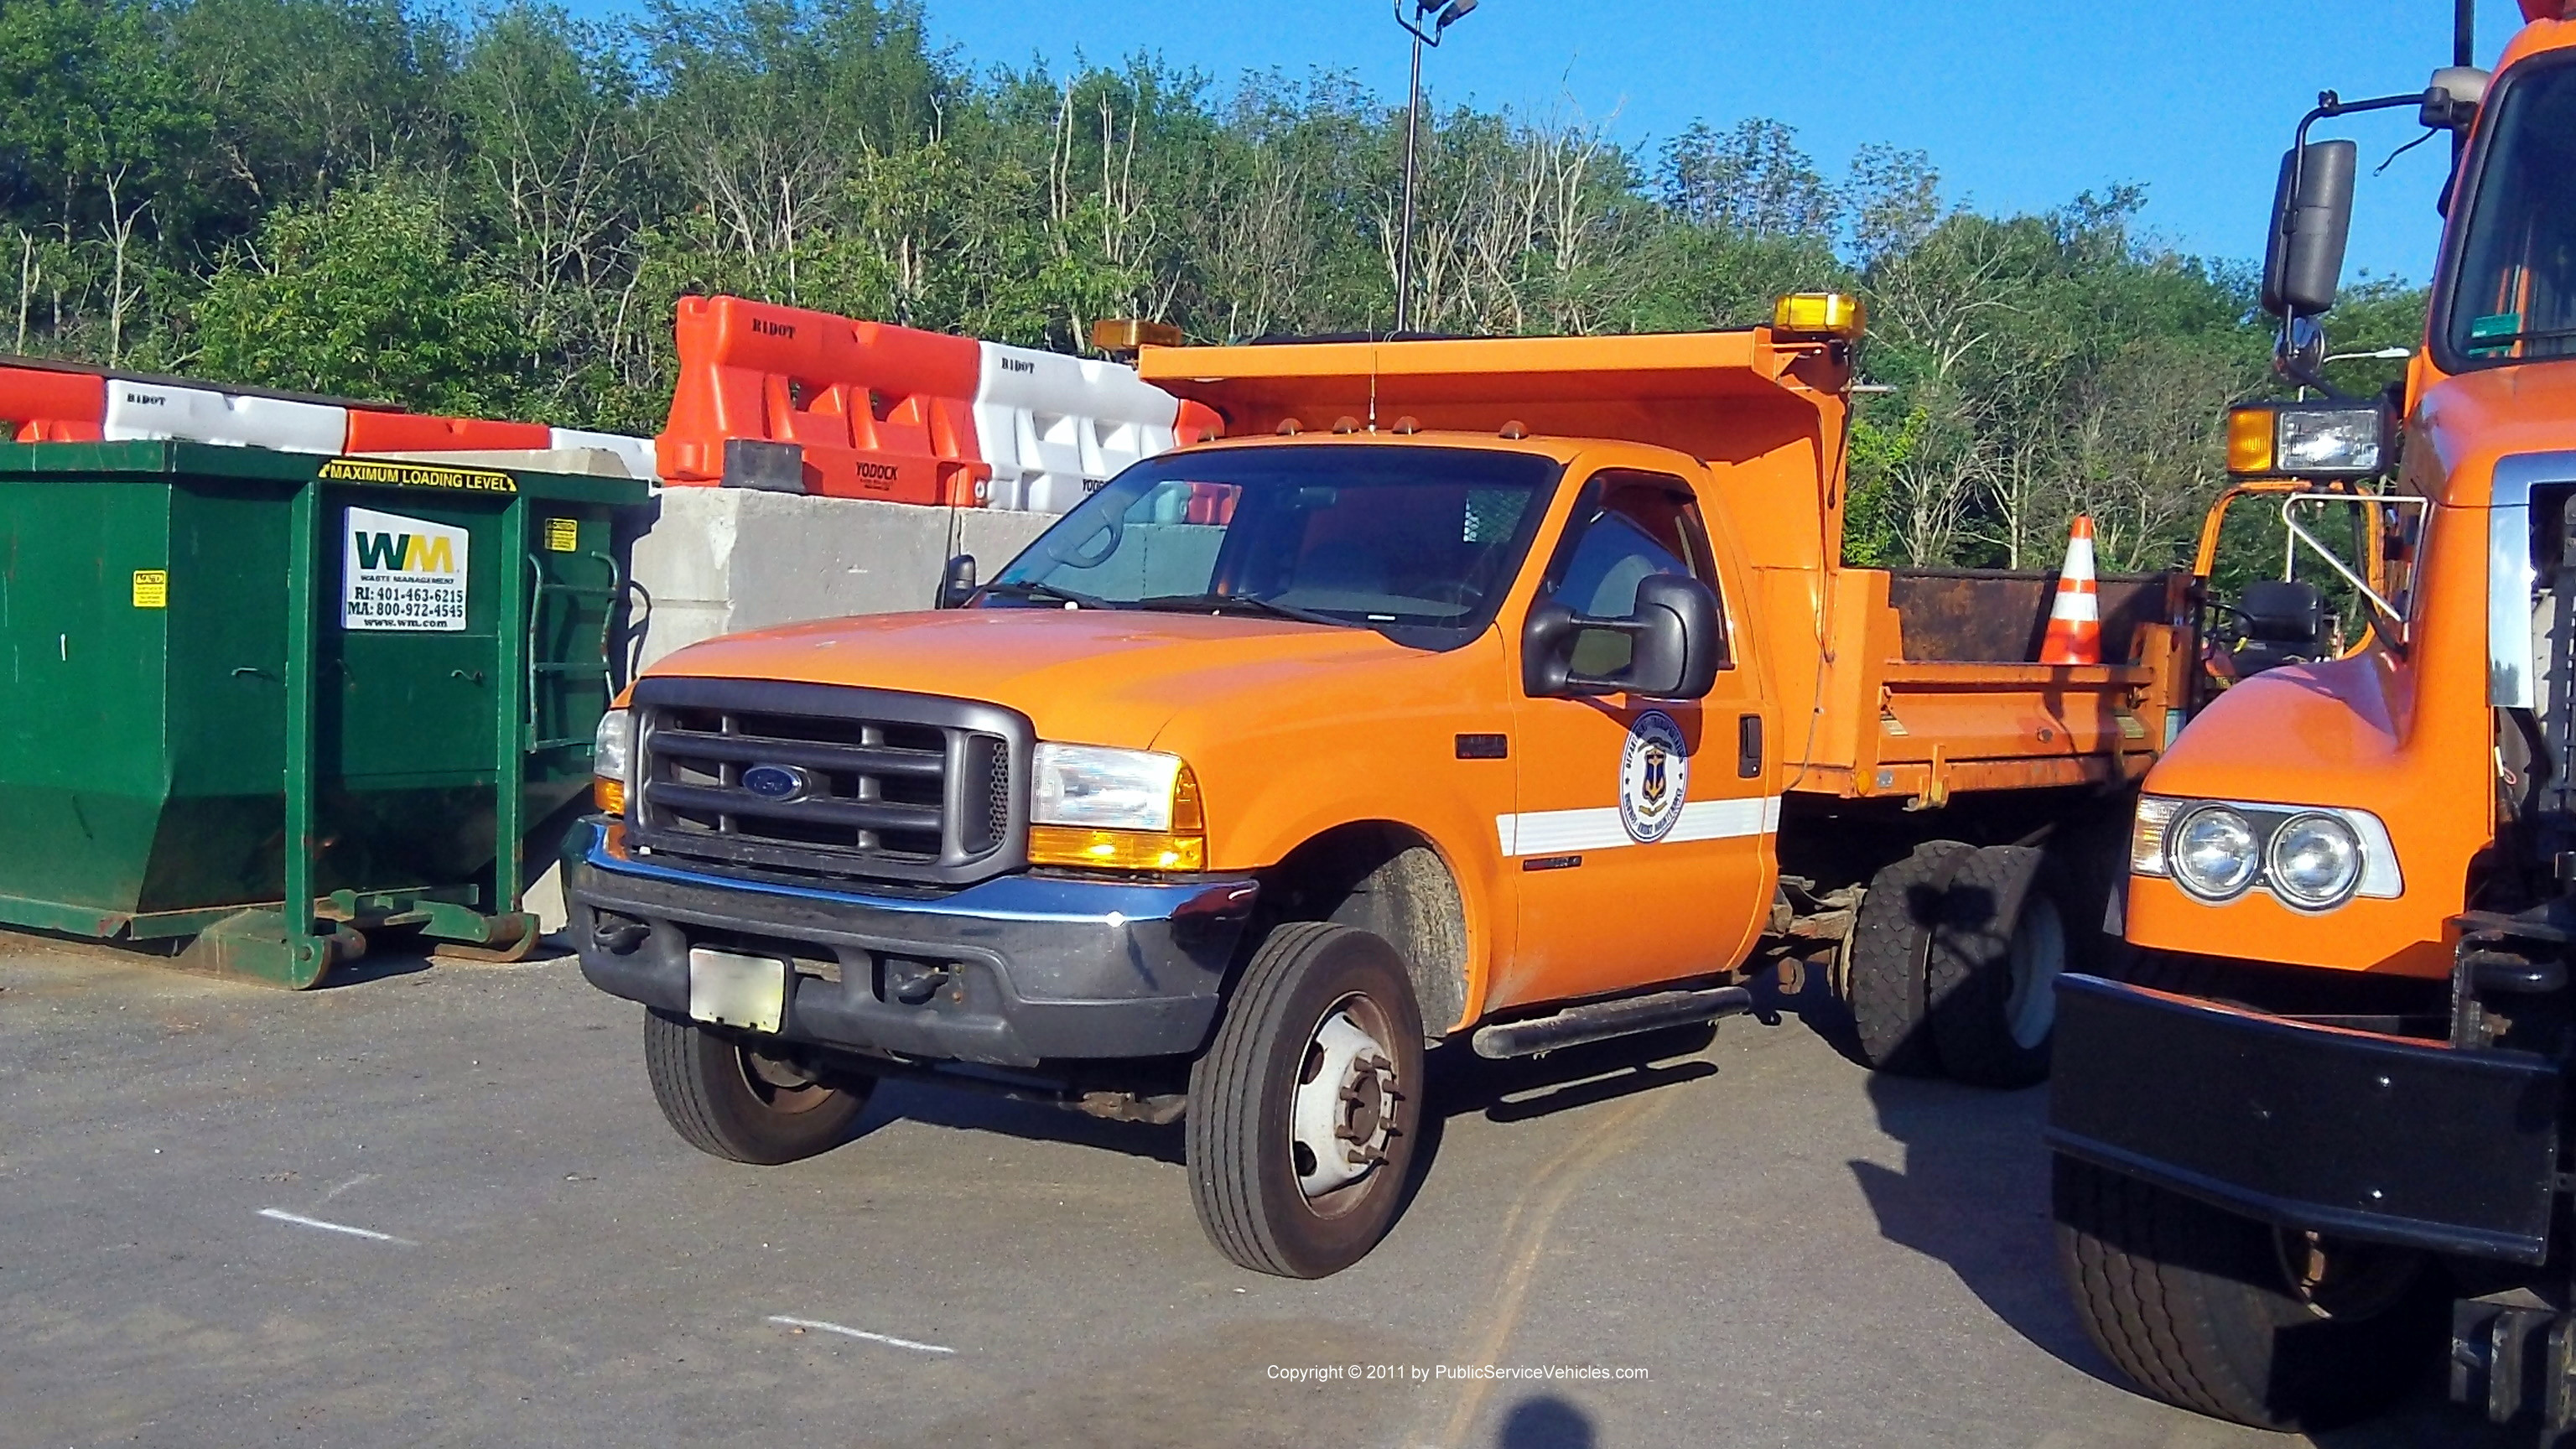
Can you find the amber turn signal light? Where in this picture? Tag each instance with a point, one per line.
(2250, 432)
(1064, 845)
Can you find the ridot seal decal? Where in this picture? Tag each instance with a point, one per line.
(1654, 777)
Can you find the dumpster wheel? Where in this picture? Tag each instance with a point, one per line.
(513, 949)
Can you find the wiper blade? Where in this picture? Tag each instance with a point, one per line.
(1241, 603)
(2502, 339)
(1047, 592)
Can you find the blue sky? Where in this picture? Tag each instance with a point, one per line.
(2021, 104)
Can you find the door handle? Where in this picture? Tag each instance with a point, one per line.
(1748, 747)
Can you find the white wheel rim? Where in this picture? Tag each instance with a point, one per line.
(1342, 1116)
(2038, 959)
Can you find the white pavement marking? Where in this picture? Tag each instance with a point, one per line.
(301, 1221)
(848, 1332)
(358, 1181)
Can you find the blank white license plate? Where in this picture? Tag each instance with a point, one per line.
(737, 990)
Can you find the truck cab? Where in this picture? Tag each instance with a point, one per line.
(2323, 1118)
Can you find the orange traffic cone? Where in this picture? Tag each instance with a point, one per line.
(2075, 622)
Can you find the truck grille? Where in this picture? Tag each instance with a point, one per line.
(766, 778)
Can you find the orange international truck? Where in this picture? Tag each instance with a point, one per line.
(2324, 1119)
(1505, 692)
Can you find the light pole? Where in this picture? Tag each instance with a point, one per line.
(1423, 11)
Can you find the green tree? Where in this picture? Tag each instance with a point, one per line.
(371, 295)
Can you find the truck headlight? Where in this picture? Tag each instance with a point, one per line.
(2314, 862)
(612, 748)
(2307, 440)
(2213, 854)
(1092, 805)
(2310, 857)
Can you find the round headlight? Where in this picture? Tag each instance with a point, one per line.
(2314, 861)
(2213, 853)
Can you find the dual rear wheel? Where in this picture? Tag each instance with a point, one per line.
(1954, 962)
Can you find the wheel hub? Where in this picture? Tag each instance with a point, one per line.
(1343, 1115)
(2038, 958)
(781, 1085)
(2335, 1278)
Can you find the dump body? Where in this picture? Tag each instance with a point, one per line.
(195, 690)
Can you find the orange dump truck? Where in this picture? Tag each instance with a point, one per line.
(2328, 1111)
(1507, 692)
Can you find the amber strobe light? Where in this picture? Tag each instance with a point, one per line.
(1836, 315)
(1128, 334)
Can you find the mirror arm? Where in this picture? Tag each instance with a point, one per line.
(2306, 376)
(2329, 104)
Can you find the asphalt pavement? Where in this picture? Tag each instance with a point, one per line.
(435, 1205)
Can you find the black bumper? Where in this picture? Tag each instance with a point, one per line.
(2365, 1136)
(1024, 969)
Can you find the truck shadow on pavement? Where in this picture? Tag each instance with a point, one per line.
(1972, 1192)
(1461, 1083)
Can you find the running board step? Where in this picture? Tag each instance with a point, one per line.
(1603, 1020)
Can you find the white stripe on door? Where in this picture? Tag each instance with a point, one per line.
(1563, 832)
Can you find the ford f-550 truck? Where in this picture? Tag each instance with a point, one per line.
(1508, 691)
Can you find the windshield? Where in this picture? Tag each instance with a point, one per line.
(1418, 543)
(2514, 297)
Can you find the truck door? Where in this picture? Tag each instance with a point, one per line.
(1642, 839)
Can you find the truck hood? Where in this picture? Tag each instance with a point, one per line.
(1097, 676)
(2478, 418)
(2302, 734)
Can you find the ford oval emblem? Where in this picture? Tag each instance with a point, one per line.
(777, 782)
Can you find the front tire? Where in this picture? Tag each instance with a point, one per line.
(1305, 1109)
(2235, 1318)
(727, 1100)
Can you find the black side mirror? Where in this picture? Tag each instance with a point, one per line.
(2311, 221)
(1676, 644)
(2284, 611)
(956, 583)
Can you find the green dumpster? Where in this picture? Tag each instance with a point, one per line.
(241, 680)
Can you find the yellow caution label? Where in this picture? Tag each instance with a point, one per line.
(1888, 721)
(563, 535)
(387, 473)
(151, 588)
(2131, 727)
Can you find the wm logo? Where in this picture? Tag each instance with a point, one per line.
(409, 553)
